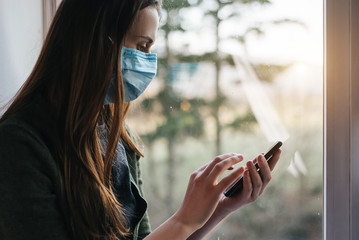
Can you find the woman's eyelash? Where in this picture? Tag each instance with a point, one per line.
(142, 47)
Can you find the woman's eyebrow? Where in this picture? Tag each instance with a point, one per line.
(150, 40)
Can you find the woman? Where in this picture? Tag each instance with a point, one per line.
(68, 166)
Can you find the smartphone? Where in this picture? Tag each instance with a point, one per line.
(238, 185)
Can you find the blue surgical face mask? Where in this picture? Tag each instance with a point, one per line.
(138, 70)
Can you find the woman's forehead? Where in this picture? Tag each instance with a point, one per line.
(145, 23)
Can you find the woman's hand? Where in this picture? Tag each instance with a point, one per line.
(254, 183)
(204, 190)
(205, 205)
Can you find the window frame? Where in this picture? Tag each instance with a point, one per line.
(341, 120)
(49, 9)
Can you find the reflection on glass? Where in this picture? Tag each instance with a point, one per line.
(235, 76)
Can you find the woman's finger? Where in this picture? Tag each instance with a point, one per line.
(247, 185)
(202, 168)
(216, 160)
(264, 171)
(256, 180)
(274, 159)
(227, 181)
(222, 166)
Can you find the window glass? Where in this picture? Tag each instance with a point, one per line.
(235, 76)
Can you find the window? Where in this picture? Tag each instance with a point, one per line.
(234, 77)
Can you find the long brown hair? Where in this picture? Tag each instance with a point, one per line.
(73, 73)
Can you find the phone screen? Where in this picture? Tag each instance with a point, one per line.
(238, 185)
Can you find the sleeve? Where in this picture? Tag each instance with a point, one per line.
(29, 178)
(144, 225)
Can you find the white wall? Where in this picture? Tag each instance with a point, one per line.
(20, 43)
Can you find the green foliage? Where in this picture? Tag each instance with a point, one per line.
(286, 20)
(242, 122)
(268, 72)
(182, 116)
(167, 27)
(255, 29)
(175, 4)
(255, 1)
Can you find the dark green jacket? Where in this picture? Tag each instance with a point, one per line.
(32, 199)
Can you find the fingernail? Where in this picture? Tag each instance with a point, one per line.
(240, 156)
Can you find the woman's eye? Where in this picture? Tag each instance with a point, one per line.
(142, 48)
